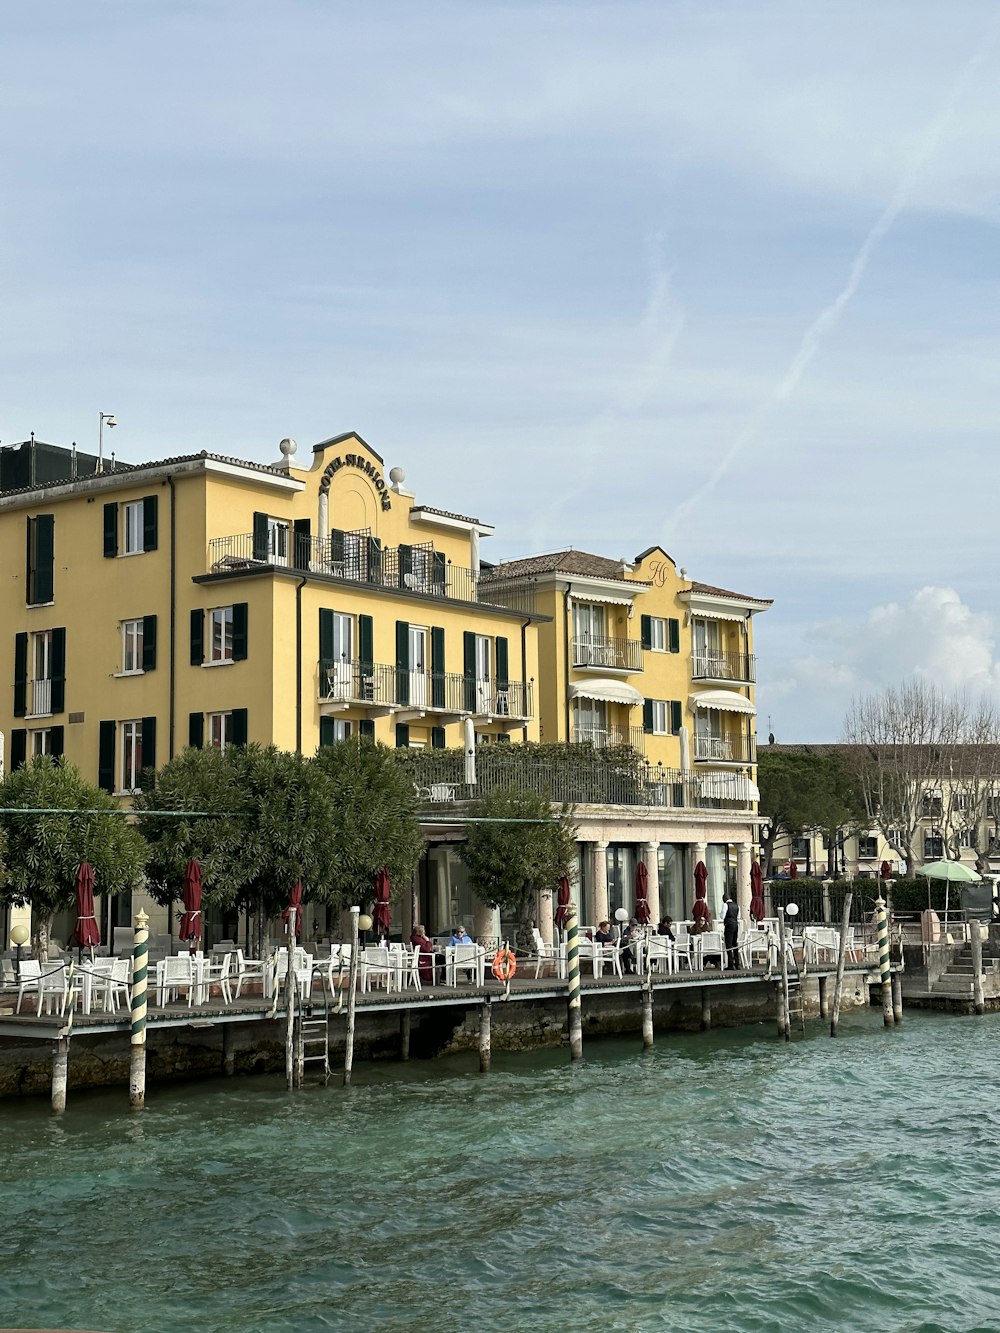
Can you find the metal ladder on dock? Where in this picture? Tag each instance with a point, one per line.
(312, 1037)
(796, 1001)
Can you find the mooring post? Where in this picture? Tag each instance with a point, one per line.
(351, 998)
(290, 1003)
(228, 1049)
(137, 1045)
(779, 1010)
(60, 1073)
(647, 1013)
(706, 1009)
(573, 985)
(882, 924)
(404, 1035)
(785, 1019)
(484, 1037)
(978, 998)
(824, 997)
(897, 998)
(838, 990)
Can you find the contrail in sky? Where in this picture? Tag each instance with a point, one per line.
(828, 318)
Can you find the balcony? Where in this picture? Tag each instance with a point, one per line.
(609, 736)
(40, 698)
(733, 749)
(714, 665)
(597, 652)
(387, 689)
(357, 557)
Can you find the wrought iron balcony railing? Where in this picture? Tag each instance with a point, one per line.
(352, 681)
(608, 654)
(734, 749)
(710, 664)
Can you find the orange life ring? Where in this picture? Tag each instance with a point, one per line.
(504, 965)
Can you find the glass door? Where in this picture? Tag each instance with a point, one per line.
(418, 666)
(342, 668)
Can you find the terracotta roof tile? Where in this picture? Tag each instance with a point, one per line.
(562, 562)
(443, 513)
(709, 591)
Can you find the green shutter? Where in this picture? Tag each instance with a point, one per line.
(149, 643)
(503, 666)
(302, 543)
(374, 560)
(469, 669)
(18, 747)
(238, 730)
(674, 635)
(437, 667)
(260, 536)
(676, 716)
(646, 631)
(197, 637)
(405, 564)
(56, 742)
(240, 619)
(196, 730)
(150, 533)
(110, 530)
(366, 729)
(366, 645)
(41, 559)
(402, 662)
(402, 736)
(149, 742)
(437, 738)
(20, 676)
(58, 670)
(325, 637)
(337, 547)
(326, 731)
(439, 573)
(647, 716)
(106, 756)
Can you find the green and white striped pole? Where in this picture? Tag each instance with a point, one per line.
(573, 985)
(882, 927)
(137, 1065)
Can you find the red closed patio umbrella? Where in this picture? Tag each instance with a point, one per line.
(191, 895)
(562, 903)
(793, 870)
(88, 932)
(701, 911)
(885, 870)
(382, 915)
(294, 900)
(641, 890)
(756, 893)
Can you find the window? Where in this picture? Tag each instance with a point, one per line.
(221, 634)
(931, 805)
(867, 846)
(993, 807)
(658, 717)
(41, 560)
(138, 523)
(333, 729)
(41, 741)
(933, 846)
(131, 755)
(220, 730)
(40, 673)
(967, 838)
(657, 634)
(131, 646)
(800, 849)
(41, 667)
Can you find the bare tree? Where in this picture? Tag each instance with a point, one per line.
(971, 780)
(902, 735)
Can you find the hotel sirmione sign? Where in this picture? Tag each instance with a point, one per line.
(363, 465)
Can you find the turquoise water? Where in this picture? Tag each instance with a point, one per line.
(721, 1182)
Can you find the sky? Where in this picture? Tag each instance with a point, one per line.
(721, 275)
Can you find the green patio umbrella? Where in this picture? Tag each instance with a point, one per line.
(952, 872)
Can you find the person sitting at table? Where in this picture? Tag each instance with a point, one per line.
(627, 943)
(422, 943)
(604, 934)
(666, 927)
(458, 936)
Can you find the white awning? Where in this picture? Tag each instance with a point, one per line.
(729, 787)
(600, 598)
(614, 691)
(723, 700)
(710, 613)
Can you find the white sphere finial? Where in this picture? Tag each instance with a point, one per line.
(397, 476)
(288, 446)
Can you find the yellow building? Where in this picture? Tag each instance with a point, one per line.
(637, 654)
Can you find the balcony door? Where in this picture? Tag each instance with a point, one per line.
(591, 721)
(707, 642)
(342, 668)
(277, 542)
(418, 666)
(710, 740)
(589, 631)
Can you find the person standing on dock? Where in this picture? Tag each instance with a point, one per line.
(731, 930)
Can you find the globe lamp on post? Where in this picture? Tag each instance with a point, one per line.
(19, 936)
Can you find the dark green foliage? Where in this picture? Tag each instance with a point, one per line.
(802, 791)
(509, 861)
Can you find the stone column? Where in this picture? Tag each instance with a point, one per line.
(599, 897)
(649, 855)
(486, 922)
(743, 852)
(545, 913)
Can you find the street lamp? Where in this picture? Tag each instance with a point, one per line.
(108, 417)
(19, 937)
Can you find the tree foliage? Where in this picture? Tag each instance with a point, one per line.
(43, 852)
(526, 850)
(373, 819)
(804, 791)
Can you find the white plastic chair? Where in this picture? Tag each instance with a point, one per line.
(30, 980)
(377, 963)
(411, 968)
(173, 975)
(247, 970)
(467, 958)
(661, 954)
(548, 953)
(218, 974)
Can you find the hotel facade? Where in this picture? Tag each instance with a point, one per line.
(205, 600)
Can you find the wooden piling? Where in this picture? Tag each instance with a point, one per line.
(779, 1010)
(60, 1074)
(706, 1009)
(484, 1037)
(978, 998)
(290, 1004)
(647, 1016)
(575, 1014)
(824, 997)
(838, 991)
(897, 998)
(352, 998)
(404, 1035)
